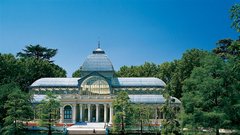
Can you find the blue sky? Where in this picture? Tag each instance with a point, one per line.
(131, 31)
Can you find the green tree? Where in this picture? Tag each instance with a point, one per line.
(166, 71)
(18, 110)
(5, 90)
(222, 48)
(190, 59)
(8, 69)
(76, 73)
(227, 48)
(31, 69)
(142, 113)
(210, 95)
(146, 70)
(38, 52)
(123, 112)
(126, 71)
(235, 16)
(25, 71)
(170, 124)
(48, 111)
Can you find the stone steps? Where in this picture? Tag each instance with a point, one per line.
(87, 128)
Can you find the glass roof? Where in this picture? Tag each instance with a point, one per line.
(138, 82)
(97, 61)
(117, 82)
(56, 82)
(150, 99)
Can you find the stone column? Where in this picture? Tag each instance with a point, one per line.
(73, 113)
(61, 115)
(105, 113)
(89, 111)
(111, 113)
(156, 115)
(97, 112)
(81, 112)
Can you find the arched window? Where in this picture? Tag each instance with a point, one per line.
(68, 112)
(95, 85)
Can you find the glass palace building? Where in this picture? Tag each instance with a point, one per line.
(89, 98)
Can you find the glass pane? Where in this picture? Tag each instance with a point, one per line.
(95, 85)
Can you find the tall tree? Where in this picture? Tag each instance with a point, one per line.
(210, 94)
(166, 71)
(38, 51)
(5, 90)
(48, 111)
(25, 71)
(190, 59)
(32, 69)
(123, 112)
(19, 110)
(170, 124)
(8, 69)
(142, 113)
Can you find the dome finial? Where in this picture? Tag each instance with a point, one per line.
(98, 50)
(98, 44)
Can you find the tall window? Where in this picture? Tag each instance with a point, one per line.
(95, 85)
(67, 112)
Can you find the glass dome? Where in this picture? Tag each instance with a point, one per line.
(97, 61)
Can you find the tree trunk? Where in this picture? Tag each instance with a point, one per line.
(217, 131)
(49, 125)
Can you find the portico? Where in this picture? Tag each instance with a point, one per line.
(86, 112)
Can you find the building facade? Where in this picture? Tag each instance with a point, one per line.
(89, 98)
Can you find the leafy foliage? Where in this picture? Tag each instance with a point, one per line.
(18, 110)
(33, 69)
(170, 124)
(38, 52)
(142, 114)
(8, 69)
(5, 90)
(227, 48)
(21, 72)
(48, 111)
(76, 73)
(172, 73)
(123, 112)
(25, 71)
(210, 94)
(235, 16)
(190, 60)
(166, 71)
(145, 70)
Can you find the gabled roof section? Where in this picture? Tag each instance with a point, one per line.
(56, 82)
(138, 82)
